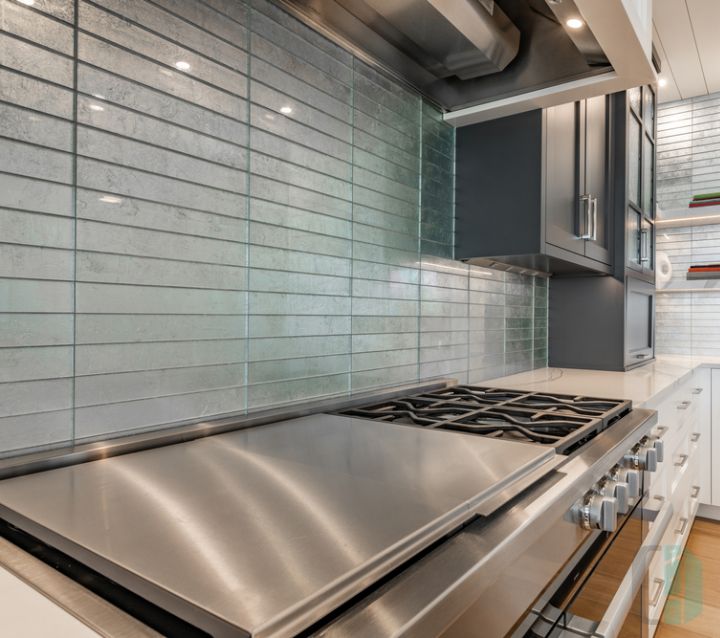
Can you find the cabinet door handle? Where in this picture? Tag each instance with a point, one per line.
(683, 459)
(658, 592)
(684, 405)
(683, 526)
(593, 233)
(695, 491)
(695, 437)
(584, 224)
(697, 390)
(644, 246)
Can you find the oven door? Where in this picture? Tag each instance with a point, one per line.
(604, 595)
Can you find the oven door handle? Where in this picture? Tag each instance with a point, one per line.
(616, 613)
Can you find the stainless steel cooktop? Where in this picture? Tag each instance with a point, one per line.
(564, 422)
(265, 530)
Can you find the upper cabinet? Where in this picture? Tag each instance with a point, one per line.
(634, 170)
(533, 189)
(618, 311)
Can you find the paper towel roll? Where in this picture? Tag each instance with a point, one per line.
(663, 270)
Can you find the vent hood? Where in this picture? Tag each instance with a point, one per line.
(481, 59)
(463, 38)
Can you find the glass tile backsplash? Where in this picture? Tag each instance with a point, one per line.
(209, 208)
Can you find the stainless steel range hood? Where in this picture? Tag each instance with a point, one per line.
(479, 59)
(463, 38)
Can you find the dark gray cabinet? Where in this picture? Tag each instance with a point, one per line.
(608, 323)
(532, 189)
(634, 191)
(639, 341)
(595, 187)
(601, 323)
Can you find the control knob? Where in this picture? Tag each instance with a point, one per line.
(630, 477)
(642, 457)
(596, 511)
(656, 442)
(617, 489)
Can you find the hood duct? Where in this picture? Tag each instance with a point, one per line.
(463, 38)
(421, 41)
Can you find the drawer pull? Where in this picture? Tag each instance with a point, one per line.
(658, 592)
(697, 390)
(684, 405)
(695, 491)
(683, 459)
(683, 526)
(660, 430)
(695, 437)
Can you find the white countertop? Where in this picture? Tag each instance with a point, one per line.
(641, 385)
(26, 613)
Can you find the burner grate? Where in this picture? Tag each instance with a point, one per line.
(562, 421)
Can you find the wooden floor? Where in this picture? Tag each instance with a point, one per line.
(693, 607)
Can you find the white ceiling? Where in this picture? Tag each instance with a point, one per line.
(687, 36)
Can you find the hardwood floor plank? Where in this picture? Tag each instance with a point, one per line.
(693, 607)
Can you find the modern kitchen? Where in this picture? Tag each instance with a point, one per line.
(359, 318)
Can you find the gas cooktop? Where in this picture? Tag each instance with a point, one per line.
(562, 421)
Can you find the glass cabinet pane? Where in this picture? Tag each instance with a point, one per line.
(648, 165)
(634, 133)
(634, 99)
(633, 235)
(647, 248)
(649, 110)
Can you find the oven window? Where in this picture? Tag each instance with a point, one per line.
(582, 604)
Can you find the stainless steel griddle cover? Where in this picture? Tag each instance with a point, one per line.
(268, 529)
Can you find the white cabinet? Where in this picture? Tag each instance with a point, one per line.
(685, 476)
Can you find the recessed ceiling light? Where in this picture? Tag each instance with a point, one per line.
(96, 107)
(181, 65)
(286, 110)
(27, 3)
(575, 23)
(662, 82)
(111, 199)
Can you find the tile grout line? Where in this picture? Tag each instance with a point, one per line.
(248, 212)
(76, 55)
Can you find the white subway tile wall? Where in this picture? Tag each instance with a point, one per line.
(208, 208)
(688, 164)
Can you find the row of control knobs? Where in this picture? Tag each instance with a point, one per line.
(612, 495)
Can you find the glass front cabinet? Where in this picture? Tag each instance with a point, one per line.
(637, 108)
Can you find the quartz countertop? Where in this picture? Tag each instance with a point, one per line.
(643, 386)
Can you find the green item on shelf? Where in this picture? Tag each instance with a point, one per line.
(697, 198)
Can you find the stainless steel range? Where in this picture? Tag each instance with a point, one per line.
(432, 511)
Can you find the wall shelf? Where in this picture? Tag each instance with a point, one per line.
(693, 285)
(702, 216)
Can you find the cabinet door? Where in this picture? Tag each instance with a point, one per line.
(596, 177)
(639, 321)
(715, 443)
(561, 177)
(701, 392)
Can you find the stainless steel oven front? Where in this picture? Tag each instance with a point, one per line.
(603, 591)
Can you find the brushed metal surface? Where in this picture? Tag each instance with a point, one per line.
(485, 579)
(267, 529)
